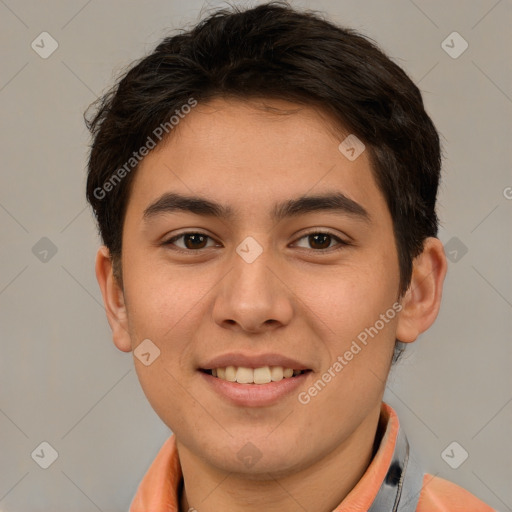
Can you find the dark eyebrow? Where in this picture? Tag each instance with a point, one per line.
(337, 202)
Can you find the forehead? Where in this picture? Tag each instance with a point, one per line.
(254, 154)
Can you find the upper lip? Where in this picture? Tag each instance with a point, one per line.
(253, 361)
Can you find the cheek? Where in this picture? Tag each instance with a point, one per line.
(357, 341)
(162, 300)
(348, 299)
(350, 303)
(168, 306)
(161, 384)
(165, 308)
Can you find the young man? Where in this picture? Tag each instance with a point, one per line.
(265, 189)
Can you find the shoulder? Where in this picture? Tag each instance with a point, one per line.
(440, 495)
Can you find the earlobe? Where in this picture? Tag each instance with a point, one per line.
(422, 300)
(113, 299)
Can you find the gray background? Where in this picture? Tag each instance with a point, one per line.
(61, 378)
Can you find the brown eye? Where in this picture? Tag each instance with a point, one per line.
(320, 241)
(195, 241)
(190, 241)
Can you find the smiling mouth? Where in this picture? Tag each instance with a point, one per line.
(262, 375)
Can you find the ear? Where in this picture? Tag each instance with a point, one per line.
(113, 298)
(421, 302)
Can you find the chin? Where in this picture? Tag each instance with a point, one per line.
(255, 457)
(258, 469)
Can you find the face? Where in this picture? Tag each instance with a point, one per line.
(260, 278)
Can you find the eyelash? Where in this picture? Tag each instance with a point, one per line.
(341, 243)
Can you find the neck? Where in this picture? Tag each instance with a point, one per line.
(320, 486)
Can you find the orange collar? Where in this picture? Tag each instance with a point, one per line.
(159, 489)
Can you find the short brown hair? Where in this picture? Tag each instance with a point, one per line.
(275, 51)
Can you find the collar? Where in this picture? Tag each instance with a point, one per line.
(392, 481)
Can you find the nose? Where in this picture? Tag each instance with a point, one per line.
(252, 297)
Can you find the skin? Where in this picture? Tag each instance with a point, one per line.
(293, 299)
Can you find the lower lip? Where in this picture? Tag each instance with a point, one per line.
(255, 395)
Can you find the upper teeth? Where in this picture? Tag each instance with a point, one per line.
(262, 375)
